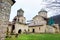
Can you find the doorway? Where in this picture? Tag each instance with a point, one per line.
(33, 30)
(13, 27)
(19, 31)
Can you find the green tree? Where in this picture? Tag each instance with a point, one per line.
(51, 21)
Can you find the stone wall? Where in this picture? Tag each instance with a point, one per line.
(37, 29)
(5, 7)
(21, 27)
(50, 29)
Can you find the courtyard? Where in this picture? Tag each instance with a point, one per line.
(35, 37)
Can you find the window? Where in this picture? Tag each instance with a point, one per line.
(22, 20)
(13, 27)
(28, 30)
(39, 28)
(18, 20)
(25, 30)
(33, 30)
(15, 19)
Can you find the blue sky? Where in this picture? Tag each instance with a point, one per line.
(32, 7)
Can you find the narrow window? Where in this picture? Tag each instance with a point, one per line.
(33, 30)
(18, 20)
(39, 28)
(28, 30)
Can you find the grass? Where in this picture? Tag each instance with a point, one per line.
(36, 37)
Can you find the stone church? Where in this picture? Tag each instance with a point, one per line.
(18, 24)
(39, 24)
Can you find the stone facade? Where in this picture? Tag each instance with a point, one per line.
(21, 28)
(37, 29)
(39, 24)
(19, 23)
(5, 7)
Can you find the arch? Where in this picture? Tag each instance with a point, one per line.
(33, 30)
(19, 31)
(13, 28)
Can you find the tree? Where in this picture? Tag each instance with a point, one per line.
(51, 21)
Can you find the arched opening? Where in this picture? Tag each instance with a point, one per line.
(13, 27)
(19, 31)
(39, 28)
(33, 30)
(28, 30)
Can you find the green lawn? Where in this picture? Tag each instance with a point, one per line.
(36, 37)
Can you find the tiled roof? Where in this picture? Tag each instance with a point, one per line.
(22, 23)
(34, 25)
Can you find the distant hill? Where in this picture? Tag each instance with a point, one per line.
(56, 19)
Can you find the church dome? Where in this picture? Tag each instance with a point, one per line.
(42, 10)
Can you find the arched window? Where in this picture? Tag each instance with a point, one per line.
(13, 27)
(39, 28)
(28, 30)
(18, 19)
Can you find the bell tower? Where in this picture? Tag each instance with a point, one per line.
(43, 13)
(20, 16)
(20, 12)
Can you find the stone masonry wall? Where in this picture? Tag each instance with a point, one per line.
(4, 17)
